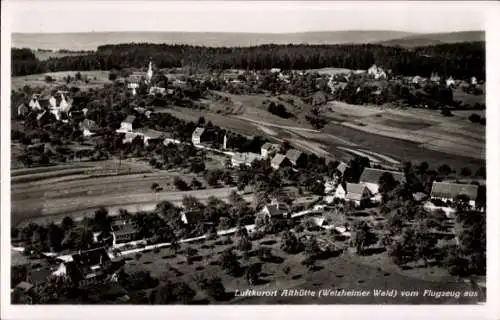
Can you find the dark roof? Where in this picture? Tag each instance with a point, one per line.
(25, 286)
(90, 258)
(89, 125)
(193, 216)
(293, 155)
(276, 209)
(124, 229)
(40, 275)
(371, 175)
(452, 190)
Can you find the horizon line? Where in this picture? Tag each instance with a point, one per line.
(256, 33)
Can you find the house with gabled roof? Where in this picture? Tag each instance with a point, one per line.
(22, 110)
(341, 168)
(129, 124)
(88, 127)
(268, 149)
(280, 161)
(273, 211)
(297, 158)
(357, 193)
(446, 191)
(199, 136)
(89, 267)
(371, 177)
(246, 158)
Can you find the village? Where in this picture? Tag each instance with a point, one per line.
(285, 194)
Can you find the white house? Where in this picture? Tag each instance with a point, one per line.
(340, 192)
(34, 104)
(268, 149)
(198, 136)
(127, 125)
(450, 82)
(377, 72)
(88, 127)
(246, 158)
(435, 78)
(473, 81)
(357, 193)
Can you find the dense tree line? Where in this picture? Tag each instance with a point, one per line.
(460, 60)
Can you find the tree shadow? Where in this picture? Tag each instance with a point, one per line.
(196, 258)
(268, 242)
(297, 276)
(339, 275)
(406, 267)
(372, 251)
(260, 282)
(201, 302)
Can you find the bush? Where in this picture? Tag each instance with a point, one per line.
(49, 79)
(446, 112)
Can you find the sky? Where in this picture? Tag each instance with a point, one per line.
(39, 16)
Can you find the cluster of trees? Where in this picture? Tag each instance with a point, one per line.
(475, 118)
(462, 60)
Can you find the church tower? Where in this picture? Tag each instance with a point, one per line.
(150, 73)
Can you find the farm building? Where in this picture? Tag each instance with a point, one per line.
(446, 191)
(157, 90)
(371, 177)
(88, 127)
(275, 70)
(150, 135)
(296, 157)
(89, 267)
(246, 158)
(357, 193)
(280, 161)
(199, 136)
(129, 124)
(124, 231)
(473, 81)
(268, 149)
(377, 72)
(417, 80)
(274, 210)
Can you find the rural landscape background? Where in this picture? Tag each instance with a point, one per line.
(188, 167)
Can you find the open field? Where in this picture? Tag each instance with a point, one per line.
(96, 79)
(330, 71)
(467, 98)
(79, 190)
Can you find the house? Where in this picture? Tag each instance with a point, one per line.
(268, 149)
(417, 80)
(246, 158)
(280, 161)
(318, 99)
(341, 168)
(272, 211)
(340, 192)
(296, 157)
(129, 124)
(133, 87)
(89, 267)
(124, 231)
(199, 136)
(88, 127)
(22, 110)
(150, 135)
(275, 70)
(446, 191)
(370, 177)
(419, 196)
(435, 78)
(450, 82)
(192, 217)
(473, 81)
(330, 185)
(357, 193)
(157, 90)
(377, 72)
(34, 103)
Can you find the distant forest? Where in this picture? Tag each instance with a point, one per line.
(460, 60)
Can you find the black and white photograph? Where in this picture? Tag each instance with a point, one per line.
(246, 153)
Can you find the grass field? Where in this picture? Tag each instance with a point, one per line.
(38, 194)
(96, 79)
